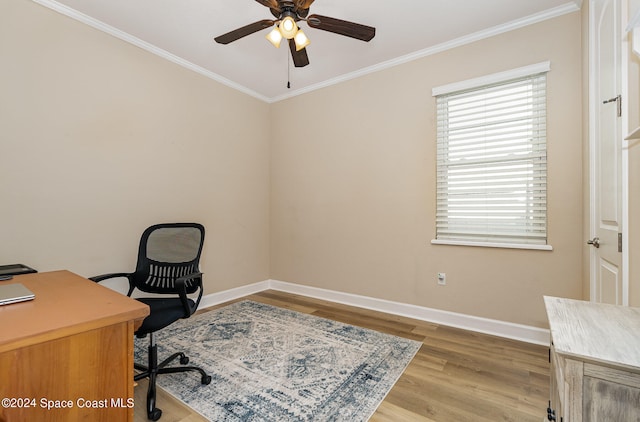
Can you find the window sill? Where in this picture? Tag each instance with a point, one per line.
(493, 245)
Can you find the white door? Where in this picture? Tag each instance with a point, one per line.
(606, 152)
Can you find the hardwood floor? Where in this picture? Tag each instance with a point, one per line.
(456, 376)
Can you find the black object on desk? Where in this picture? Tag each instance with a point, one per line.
(15, 269)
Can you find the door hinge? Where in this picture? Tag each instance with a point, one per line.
(619, 242)
(618, 101)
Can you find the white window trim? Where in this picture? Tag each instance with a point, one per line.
(494, 78)
(493, 245)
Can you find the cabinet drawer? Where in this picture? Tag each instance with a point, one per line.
(610, 401)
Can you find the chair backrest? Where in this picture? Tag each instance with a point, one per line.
(167, 252)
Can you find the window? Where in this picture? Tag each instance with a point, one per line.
(492, 161)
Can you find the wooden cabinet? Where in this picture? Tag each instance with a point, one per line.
(595, 361)
(67, 355)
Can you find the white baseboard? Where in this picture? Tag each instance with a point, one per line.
(231, 294)
(494, 327)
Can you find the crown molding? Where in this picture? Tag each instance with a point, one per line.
(570, 7)
(124, 36)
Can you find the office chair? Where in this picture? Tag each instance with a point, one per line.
(168, 259)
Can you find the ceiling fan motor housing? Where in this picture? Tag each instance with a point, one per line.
(291, 11)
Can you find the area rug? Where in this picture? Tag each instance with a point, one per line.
(270, 364)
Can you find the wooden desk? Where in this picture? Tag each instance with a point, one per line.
(67, 355)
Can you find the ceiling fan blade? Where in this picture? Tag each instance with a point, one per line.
(300, 58)
(302, 7)
(303, 4)
(271, 4)
(236, 34)
(338, 26)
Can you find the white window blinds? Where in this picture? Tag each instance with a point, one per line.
(492, 163)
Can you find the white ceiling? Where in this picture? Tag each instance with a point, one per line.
(183, 31)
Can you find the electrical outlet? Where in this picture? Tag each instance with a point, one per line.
(442, 279)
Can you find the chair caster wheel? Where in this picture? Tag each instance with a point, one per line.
(184, 360)
(206, 379)
(155, 414)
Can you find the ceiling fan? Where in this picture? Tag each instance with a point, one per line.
(288, 13)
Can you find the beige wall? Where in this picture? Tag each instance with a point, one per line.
(99, 139)
(353, 181)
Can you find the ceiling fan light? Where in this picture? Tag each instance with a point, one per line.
(288, 27)
(274, 37)
(301, 40)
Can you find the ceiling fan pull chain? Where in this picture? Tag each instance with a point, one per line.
(288, 71)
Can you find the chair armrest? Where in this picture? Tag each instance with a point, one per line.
(128, 276)
(99, 278)
(182, 291)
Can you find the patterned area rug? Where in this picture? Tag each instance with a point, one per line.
(273, 364)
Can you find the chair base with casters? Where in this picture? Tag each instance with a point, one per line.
(167, 265)
(154, 369)
(163, 312)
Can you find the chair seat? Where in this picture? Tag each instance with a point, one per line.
(163, 312)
